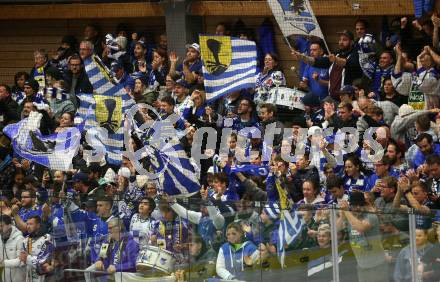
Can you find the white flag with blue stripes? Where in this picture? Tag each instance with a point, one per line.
(164, 159)
(178, 175)
(229, 64)
(290, 227)
(103, 111)
(54, 151)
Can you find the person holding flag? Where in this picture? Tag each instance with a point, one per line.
(343, 66)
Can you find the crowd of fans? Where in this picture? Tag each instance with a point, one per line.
(106, 219)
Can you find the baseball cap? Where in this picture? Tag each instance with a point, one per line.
(311, 100)
(182, 82)
(347, 33)
(80, 176)
(116, 65)
(194, 46)
(33, 84)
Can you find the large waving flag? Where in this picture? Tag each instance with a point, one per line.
(104, 109)
(54, 151)
(229, 64)
(295, 17)
(176, 173)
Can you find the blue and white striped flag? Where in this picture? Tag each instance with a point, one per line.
(169, 165)
(288, 230)
(54, 151)
(46, 93)
(103, 111)
(177, 173)
(229, 64)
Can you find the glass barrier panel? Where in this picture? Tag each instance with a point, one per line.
(374, 244)
(198, 240)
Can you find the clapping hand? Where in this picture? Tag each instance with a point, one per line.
(403, 184)
(344, 205)
(173, 57)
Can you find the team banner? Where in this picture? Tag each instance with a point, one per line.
(295, 17)
(229, 64)
(54, 151)
(103, 111)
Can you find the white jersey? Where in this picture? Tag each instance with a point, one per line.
(39, 251)
(141, 228)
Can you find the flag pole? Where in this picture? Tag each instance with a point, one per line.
(288, 43)
(325, 43)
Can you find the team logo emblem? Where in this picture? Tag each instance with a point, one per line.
(216, 53)
(298, 13)
(108, 112)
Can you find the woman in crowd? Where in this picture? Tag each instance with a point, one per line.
(388, 93)
(236, 255)
(66, 121)
(311, 194)
(195, 113)
(18, 89)
(142, 93)
(354, 178)
(264, 79)
(159, 70)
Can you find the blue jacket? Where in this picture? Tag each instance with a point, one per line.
(234, 259)
(122, 254)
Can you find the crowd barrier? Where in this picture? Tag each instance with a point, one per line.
(330, 245)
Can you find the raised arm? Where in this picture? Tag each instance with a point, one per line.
(192, 216)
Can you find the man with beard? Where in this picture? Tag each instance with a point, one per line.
(268, 113)
(394, 153)
(426, 148)
(37, 253)
(12, 244)
(190, 65)
(245, 116)
(28, 209)
(343, 66)
(77, 78)
(140, 52)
